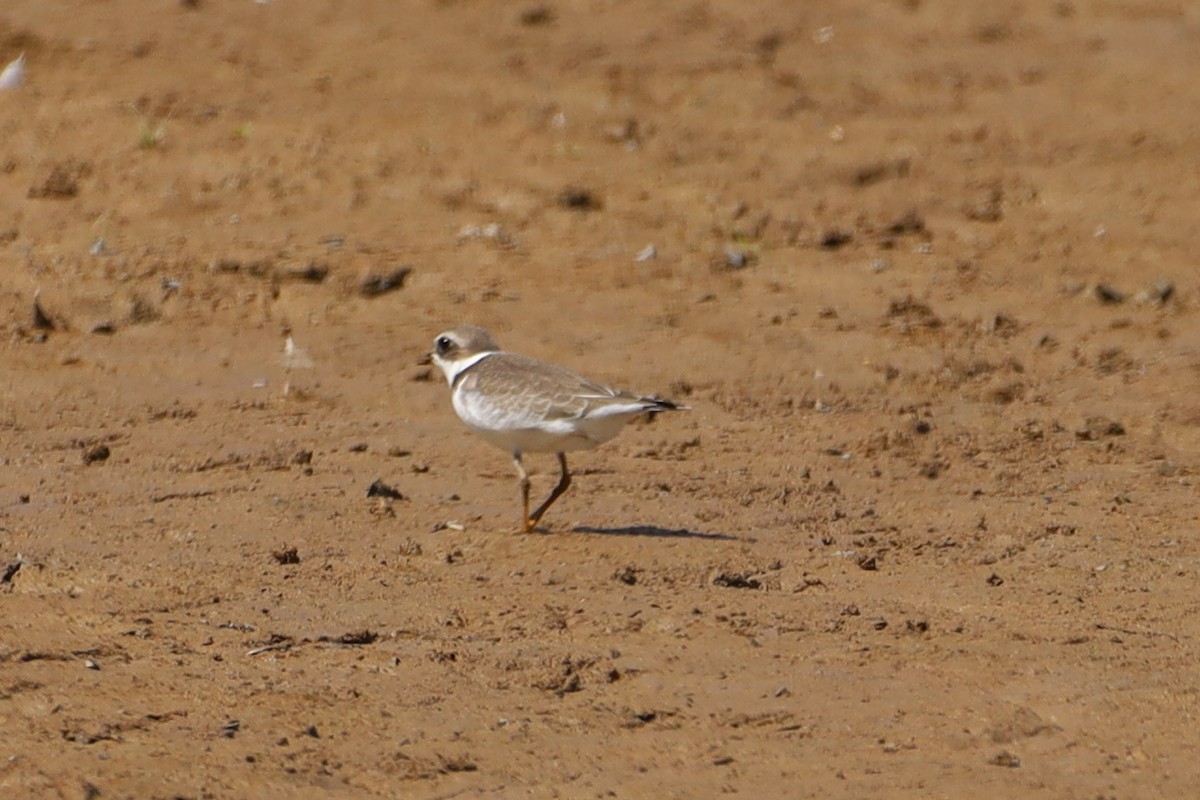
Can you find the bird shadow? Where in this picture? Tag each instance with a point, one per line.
(653, 531)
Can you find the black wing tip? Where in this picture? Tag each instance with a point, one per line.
(655, 404)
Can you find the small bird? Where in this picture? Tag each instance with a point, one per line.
(524, 405)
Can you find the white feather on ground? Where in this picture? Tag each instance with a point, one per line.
(11, 77)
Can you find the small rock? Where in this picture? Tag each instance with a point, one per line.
(1095, 428)
(736, 259)
(493, 231)
(96, 454)
(376, 285)
(910, 222)
(628, 575)
(311, 273)
(1160, 292)
(877, 171)
(540, 14)
(381, 489)
(1108, 295)
(988, 209)
(577, 198)
(41, 320)
(61, 184)
(833, 239)
(286, 555)
(628, 133)
(647, 253)
(932, 469)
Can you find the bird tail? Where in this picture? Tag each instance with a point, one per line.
(654, 405)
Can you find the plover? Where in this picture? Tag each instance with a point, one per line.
(524, 405)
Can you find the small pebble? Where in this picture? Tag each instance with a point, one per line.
(647, 253)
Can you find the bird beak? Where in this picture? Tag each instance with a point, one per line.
(426, 360)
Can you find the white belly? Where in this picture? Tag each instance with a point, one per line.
(519, 430)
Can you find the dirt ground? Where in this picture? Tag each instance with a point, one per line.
(924, 270)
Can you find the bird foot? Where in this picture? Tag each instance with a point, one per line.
(530, 525)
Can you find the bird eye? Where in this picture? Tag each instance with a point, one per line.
(443, 344)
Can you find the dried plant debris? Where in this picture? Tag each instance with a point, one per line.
(737, 580)
(458, 764)
(11, 571)
(909, 313)
(286, 555)
(361, 637)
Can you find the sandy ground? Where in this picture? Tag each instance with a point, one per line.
(924, 270)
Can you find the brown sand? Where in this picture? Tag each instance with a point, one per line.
(929, 531)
